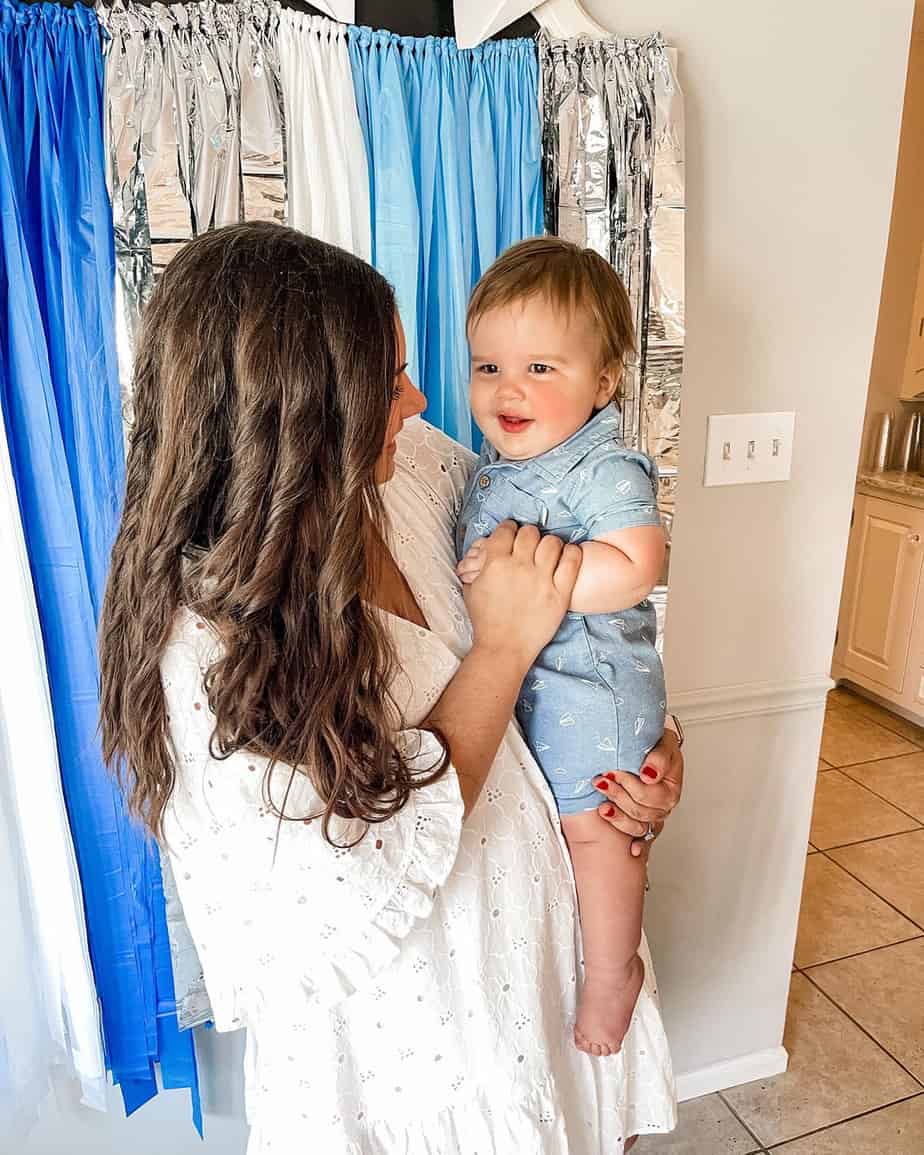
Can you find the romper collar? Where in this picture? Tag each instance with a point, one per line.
(605, 425)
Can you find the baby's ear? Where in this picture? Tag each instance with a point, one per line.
(608, 388)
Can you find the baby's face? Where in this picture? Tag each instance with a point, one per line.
(536, 376)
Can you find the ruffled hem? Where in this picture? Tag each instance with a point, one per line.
(357, 954)
(541, 1124)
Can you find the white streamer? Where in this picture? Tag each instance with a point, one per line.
(328, 178)
(49, 1013)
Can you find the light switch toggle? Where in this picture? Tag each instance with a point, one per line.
(744, 448)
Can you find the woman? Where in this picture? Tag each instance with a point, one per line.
(394, 921)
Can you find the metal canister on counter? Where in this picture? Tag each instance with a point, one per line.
(909, 451)
(881, 443)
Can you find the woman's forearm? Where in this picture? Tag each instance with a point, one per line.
(474, 711)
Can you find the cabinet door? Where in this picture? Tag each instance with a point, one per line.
(884, 568)
(913, 378)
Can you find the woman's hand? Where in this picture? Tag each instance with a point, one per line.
(524, 588)
(634, 802)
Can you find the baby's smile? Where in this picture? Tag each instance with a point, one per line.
(511, 424)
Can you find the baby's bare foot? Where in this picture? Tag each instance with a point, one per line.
(607, 1002)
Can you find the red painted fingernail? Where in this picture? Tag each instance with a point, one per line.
(611, 776)
(649, 772)
(601, 784)
(609, 812)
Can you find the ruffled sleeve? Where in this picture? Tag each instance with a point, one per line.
(339, 915)
(270, 901)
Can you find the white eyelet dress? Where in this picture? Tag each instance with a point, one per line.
(413, 995)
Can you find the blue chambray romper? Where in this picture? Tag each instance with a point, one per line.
(595, 699)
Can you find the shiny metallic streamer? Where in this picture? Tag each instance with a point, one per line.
(613, 157)
(192, 999)
(661, 411)
(180, 139)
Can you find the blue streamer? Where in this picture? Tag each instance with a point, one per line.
(59, 392)
(454, 149)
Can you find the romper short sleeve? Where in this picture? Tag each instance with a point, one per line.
(613, 488)
(270, 901)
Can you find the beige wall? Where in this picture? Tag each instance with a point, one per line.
(793, 113)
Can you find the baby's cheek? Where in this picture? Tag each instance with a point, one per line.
(559, 410)
(479, 399)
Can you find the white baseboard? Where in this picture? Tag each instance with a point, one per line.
(721, 1076)
(715, 702)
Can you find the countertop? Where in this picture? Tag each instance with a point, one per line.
(894, 481)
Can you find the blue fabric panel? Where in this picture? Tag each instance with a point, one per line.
(59, 393)
(453, 144)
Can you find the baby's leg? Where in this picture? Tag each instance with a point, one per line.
(611, 891)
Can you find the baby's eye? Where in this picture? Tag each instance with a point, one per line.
(540, 368)
(487, 367)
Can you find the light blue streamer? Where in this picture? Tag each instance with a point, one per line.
(453, 143)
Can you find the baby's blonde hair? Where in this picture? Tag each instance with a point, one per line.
(570, 278)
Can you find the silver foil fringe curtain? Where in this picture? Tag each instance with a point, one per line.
(195, 131)
(197, 139)
(612, 123)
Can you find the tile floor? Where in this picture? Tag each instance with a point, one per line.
(855, 1030)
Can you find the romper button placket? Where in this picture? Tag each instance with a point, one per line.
(484, 482)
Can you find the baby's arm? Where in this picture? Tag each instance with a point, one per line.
(614, 496)
(619, 570)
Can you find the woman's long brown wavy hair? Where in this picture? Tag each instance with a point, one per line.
(262, 391)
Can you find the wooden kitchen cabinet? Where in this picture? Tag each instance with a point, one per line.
(877, 635)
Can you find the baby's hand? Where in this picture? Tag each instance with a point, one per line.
(471, 565)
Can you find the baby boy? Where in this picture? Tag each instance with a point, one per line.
(550, 326)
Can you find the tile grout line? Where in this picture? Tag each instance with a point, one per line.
(858, 704)
(761, 1146)
(863, 761)
(768, 1149)
(872, 838)
(841, 1122)
(859, 953)
(868, 1034)
(876, 722)
(918, 748)
(876, 794)
(881, 897)
(845, 768)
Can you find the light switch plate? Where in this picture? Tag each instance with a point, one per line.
(744, 448)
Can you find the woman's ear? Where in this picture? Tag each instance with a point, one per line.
(608, 386)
